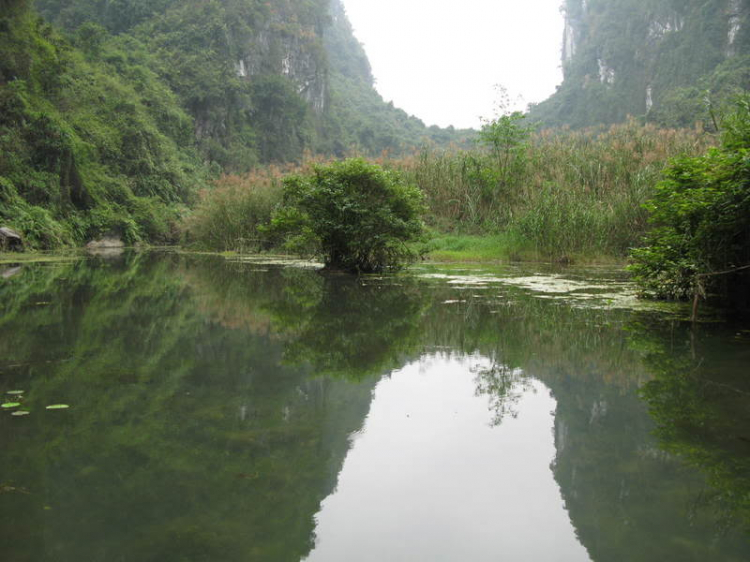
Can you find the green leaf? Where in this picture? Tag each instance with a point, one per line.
(58, 407)
(20, 413)
(15, 392)
(9, 405)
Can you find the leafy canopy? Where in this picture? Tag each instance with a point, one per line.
(355, 215)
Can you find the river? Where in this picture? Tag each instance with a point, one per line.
(207, 409)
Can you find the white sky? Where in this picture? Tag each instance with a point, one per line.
(440, 59)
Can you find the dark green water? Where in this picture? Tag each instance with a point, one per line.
(225, 411)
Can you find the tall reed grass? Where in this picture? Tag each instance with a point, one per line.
(229, 213)
(559, 193)
(562, 192)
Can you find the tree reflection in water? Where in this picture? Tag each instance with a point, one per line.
(700, 401)
(212, 406)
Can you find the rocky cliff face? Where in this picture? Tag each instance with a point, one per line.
(285, 47)
(113, 114)
(653, 58)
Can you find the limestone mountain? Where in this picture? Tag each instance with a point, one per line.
(114, 114)
(264, 81)
(660, 59)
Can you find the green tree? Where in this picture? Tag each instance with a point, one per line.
(701, 243)
(357, 216)
(505, 136)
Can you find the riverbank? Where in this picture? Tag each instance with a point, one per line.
(10, 258)
(505, 247)
(562, 196)
(441, 248)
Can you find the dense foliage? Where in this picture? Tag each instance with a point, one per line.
(660, 59)
(91, 141)
(701, 213)
(232, 214)
(519, 194)
(355, 215)
(264, 81)
(111, 126)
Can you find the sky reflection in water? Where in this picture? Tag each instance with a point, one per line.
(229, 411)
(431, 477)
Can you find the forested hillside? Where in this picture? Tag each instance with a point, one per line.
(661, 59)
(113, 114)
(91, 139)
(264, 81)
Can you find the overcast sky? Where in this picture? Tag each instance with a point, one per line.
(440, 59)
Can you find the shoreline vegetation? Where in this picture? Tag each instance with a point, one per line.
(563, 196)
(597, 196)
(156, 126)
(566, 197)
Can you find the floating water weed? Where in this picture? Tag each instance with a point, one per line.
(58, 407)
(9, 405)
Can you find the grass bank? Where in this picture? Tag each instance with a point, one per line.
(504, 247)
(13, 258)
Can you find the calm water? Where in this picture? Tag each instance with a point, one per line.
(250, 411)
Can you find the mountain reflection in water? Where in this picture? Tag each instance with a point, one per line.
(235, 411)
(432, 478)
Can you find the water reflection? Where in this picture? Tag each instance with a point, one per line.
(700, 401)
(432, 477)
(213, 404)
(186, 439)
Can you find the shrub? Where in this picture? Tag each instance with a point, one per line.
(38, 227)
(701, 242)
(355, 215)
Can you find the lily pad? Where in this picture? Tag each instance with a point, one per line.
(15, 392)
(9, 405)
(58, 407)
(20, 413)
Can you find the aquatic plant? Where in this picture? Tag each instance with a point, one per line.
(565, 192)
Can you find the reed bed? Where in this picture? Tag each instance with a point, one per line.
(229, 213)
(558, 193)
(561, 192)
